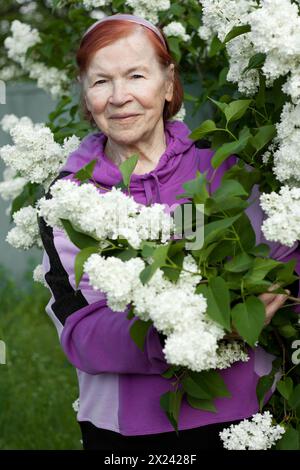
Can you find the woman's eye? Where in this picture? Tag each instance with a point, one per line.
(139, 76)
(99, 81)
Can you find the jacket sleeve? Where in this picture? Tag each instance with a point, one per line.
(94, 338)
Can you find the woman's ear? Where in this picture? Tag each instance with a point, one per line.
(86, 102)
(170, 82)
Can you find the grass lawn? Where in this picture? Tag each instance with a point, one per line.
(37, 384)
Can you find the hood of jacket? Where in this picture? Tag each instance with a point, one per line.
(107, 173)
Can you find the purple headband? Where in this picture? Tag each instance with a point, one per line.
(127, 17)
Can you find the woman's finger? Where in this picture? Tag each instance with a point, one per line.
(272, 308)
(269, 298)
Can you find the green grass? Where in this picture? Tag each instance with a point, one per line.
(37, 383)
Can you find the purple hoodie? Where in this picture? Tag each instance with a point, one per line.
(120, 386)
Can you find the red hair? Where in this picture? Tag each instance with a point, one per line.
(108, 32)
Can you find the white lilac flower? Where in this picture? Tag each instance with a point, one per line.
(176, 308)
(220, 16)
(10, 72)
(194, 347)
(287, 156)
(12, 185)
(180, 115)
(152, 223)
(107, 215)
(10, 120)
(35, 154)
(11, 188)
(292, 86)
(255, 434)
(28, 8)
(240, 50)
(97, 14)
(89, 4)
(26, 232)
(275, 31)
(143, 295)
(51, 79)
(115, 277)
(23, 37)
(229, 352)
(39, 275)
(176, 29)
(75, 405)
(148, 9)
(281, 209)
(189, 276)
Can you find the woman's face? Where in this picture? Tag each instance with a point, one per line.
(112, 89)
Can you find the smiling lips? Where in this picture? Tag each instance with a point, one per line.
(124, 117)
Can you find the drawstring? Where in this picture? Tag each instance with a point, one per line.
(158, 195)
(148, 190)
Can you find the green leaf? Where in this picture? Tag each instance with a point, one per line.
(260, 250)
(207, 405)
(127, 167)
(81, 240)
(170, 372)
(195, 189)
(29, 195)
(212, 382)
(159, 257)
(294, 400)
(219, 104)
(218, 302)
(255, 62)
(249, 318)
(228, 188)
(86, 172)
(205, 128)
(226, 150)
(287, 331)
(138, 332)
(263, 386)
(174, 44)
(261, 267)
(170, 402)
(127, 254)
(80, 259)
(245, 231)
(289, 440)
(214, 230)
(220, 251)
(239, 263)
(263, 136)
(215, 46)
(237, 31)
(223, 76)
(130, 314)
(195, 389)
(236, 109)
(285, 387)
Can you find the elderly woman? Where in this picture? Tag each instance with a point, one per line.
(130, 92)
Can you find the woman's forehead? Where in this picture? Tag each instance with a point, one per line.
(136, 47)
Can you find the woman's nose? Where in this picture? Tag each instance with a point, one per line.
(119, 93)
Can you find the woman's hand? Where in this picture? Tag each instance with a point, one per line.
(273, 302)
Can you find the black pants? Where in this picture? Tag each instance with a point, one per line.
(203, 438)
